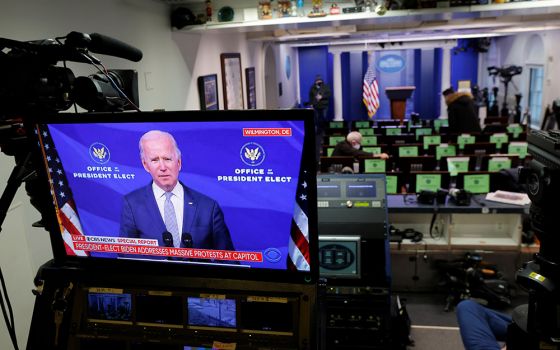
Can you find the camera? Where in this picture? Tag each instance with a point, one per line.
(33, 84)
(538, 322)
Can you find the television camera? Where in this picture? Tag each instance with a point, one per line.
(505, 74)
(537, 322)
(33, 84)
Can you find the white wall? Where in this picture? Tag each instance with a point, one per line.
(519, 50)
(143, 24)
(172, 62)
(201, 54)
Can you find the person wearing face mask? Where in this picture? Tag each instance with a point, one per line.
(319, 95)
(352, 146)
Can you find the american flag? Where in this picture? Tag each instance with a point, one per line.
(66, 213)
(371, 92)
(298, 247)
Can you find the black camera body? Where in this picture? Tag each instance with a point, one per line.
(538, 322)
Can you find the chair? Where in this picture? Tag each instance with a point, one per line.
(420, 163)
(477, 182)
(427, 180)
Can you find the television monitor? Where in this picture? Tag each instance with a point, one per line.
(281, 311)
(109, 307)
(211, 312)
(339, 256)
(159, 310)
(244, 173)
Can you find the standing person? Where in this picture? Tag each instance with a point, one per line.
(167, 205)
(319, 95)
(461, 112)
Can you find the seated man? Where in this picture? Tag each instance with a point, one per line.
(481, 328)
(352, 147)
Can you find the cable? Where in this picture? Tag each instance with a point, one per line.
(105, 72)
(8, 314)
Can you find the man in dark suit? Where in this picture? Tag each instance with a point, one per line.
(191, 218)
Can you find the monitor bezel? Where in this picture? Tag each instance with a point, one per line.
(218, 271)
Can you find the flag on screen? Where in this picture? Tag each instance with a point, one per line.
(371, 92)
(298, 246)
(64, 203)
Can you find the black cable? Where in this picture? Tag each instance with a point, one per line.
(9, 319)
(105, 72)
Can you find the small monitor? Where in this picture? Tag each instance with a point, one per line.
(267, 315)
(211, 311)
(110, 307)
(339, 256)
(159, 310)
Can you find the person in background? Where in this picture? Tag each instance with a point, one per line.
(352, 146)
(319, 95)
(481, 328)
(461, 112)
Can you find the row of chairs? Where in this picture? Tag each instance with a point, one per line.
(519, 149)
(453, 164)
(429, 138)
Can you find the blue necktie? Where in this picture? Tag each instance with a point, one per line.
(171, 219)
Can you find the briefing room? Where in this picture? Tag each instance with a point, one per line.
(260, 174)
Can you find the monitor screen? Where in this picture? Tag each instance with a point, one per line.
(109, 307)
(339, 256)
(159, 310)
(213, 311)
(203, 192)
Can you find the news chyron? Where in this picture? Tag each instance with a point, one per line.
(238, 192)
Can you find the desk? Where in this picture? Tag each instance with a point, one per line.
(482, 225)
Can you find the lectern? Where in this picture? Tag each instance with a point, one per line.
(398, 96)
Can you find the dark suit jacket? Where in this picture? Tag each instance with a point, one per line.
(202, 218)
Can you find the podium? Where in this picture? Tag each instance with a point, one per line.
(398, 96)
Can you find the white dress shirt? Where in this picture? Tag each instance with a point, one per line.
(178, 200)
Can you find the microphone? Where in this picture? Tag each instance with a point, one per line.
(167, 239)
(105, 45)
(186, 240)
